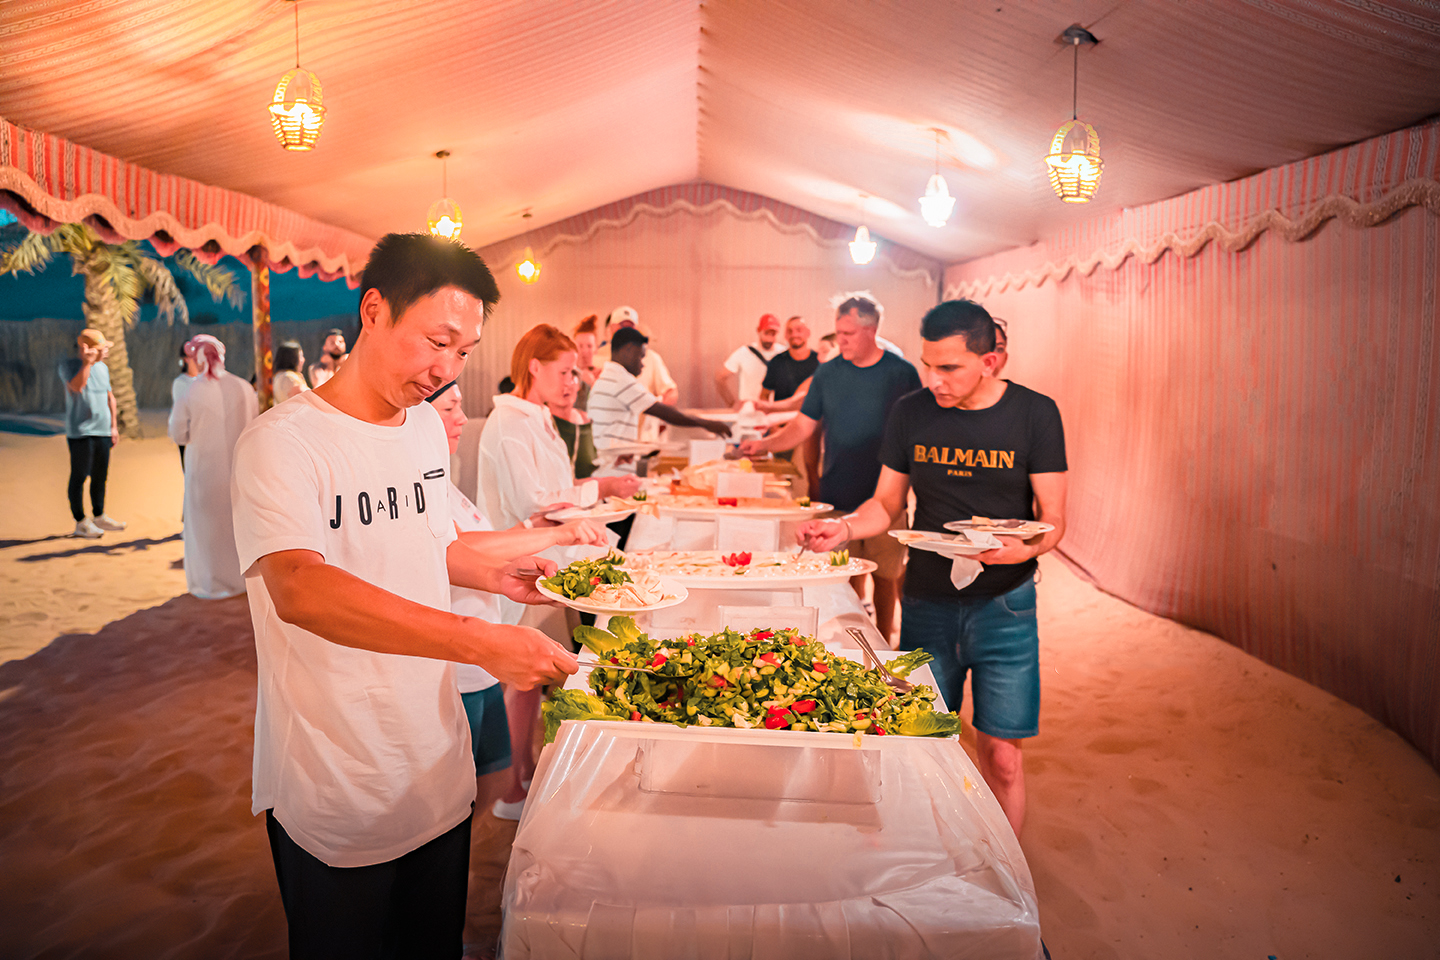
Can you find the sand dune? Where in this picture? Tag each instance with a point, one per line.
(1185, 799)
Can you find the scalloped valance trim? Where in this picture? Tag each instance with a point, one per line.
(42, 212)
(1422, 192)
(642, 208)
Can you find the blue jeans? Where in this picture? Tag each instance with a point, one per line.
(997, 639)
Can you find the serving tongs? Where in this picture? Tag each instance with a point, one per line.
(602, 665)
(898, 684)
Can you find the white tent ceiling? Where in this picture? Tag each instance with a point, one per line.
(557, 108)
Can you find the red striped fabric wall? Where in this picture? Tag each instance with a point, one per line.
(46, 180)
(1255, 431)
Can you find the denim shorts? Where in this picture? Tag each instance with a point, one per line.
(489, 729)
(996, 641)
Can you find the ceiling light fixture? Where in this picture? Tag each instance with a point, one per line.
(528, 269)
(1074, 160)
(862, 248)
(937, 204)
(296, 111)
(444, 215)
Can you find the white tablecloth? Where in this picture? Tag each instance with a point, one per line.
(651, 841)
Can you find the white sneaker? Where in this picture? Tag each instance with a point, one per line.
(508, 811)
(87, 530)
(107, 522)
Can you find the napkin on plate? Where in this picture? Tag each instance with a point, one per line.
(964, 570)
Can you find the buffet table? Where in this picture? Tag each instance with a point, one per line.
(651, 841)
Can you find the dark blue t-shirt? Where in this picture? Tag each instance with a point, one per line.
(853, 404)
(967, 463)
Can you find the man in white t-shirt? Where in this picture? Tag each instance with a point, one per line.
(741, 376)
(619, 399)
(343, 526)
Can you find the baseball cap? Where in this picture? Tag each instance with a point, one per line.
(91, 337)
(626, 336)
(623, 315)
(770, 320)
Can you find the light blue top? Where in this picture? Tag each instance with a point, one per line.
(87, 413)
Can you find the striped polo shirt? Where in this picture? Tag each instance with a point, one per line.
(616, 402)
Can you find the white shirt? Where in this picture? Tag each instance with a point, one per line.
(616, 402)
(364, 756)
(468, 602)
(524, 464)
(750, 368)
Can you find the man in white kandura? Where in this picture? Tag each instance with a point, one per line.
(363, 764)
(206, 420)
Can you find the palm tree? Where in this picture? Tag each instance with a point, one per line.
(117, 275)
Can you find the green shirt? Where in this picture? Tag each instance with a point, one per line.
(580, 442)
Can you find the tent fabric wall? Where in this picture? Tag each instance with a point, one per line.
(46, 180)
(1254, 429)
(700, 269)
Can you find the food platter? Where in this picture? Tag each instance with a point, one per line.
(947, 546)
(766, 570)
(1001, 528)
(674, 594)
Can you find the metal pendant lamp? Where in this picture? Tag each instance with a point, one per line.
(444, 216)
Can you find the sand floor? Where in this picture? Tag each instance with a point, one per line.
(1185, 799)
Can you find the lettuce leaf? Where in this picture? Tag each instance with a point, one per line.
(597, 641)
(902, 665)
(574, 705)
(928, 723)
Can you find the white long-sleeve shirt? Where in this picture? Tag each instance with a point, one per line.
(524, 464)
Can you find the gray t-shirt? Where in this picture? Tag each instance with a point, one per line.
(87, 413)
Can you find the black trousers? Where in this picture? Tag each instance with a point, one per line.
(409, 907)
(89, 457)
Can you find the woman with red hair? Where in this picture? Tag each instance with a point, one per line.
(525, 469)
(207, 420)
(524, 463)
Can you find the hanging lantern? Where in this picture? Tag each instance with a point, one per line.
(297, 111)
(444, 216)
(937, 204)
(528, 269)
(862, 248)
(1074, 162)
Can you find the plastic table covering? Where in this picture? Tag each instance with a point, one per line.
(651, 841)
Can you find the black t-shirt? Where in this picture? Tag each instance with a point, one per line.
(784, 374)
(966, 463)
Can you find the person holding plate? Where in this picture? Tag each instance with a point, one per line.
(971, 445)
(525, 466)
(343, 529)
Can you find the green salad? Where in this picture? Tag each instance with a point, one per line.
(580, 578)
(775, 679)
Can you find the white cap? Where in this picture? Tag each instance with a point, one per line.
(622, 314)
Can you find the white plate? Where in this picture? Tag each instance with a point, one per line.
(941, 544)
(1032, 528)
(736, 581)
(768, 513)
(584, 605)
(588, 513)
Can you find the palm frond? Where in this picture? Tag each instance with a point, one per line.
(219, 281)
(30, 255)
(115, 269)
(161, 282)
